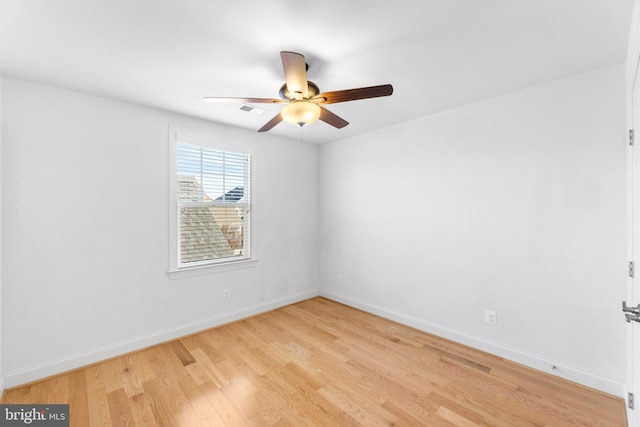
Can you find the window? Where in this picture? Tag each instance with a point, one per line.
(211, 202)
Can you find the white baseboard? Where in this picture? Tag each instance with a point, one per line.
(506, 352)
(74, 361)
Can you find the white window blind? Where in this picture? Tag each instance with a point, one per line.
(213, 205)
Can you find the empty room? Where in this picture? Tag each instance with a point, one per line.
(219, 213)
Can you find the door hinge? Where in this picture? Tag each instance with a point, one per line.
(632, 269)
(630, 400)
(631, 137)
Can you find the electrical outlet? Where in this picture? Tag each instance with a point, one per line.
(340, 279)
(226, 294)
(490, 317)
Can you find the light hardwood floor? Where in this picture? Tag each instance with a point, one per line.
(318, 363)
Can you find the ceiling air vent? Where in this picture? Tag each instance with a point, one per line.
(251, 109)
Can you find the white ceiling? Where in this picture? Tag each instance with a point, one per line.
(438, 54)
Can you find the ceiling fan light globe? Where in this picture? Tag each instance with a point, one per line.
(300, 113)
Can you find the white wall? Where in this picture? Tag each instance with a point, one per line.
(515, 204)
(85, 216)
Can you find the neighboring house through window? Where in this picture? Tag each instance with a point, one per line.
(210, 197)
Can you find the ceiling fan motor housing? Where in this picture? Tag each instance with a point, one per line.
(286, 94)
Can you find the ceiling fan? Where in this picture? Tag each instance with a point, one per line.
(302, 97)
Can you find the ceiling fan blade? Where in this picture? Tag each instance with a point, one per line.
(295, 73)
(331, 118)
(355, 94)
(271, 123)
(244, 100)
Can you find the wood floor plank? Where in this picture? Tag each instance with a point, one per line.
(141, 410)
(165, 413)
(318, 363)
(182, 353)
(19, 395)
(226, 411)
(119, 408)
(129, 377)
(96, 398)
(207, 370)
(199, 401)
(77, 387)
(143, 370)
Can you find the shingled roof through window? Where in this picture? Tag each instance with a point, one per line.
(200, 235)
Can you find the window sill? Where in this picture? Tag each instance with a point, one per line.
(212, 269)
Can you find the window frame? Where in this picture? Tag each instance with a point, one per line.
(176, 268)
